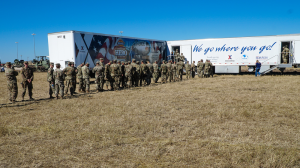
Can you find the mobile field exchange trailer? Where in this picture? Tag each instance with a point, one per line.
(84, 47)
(229, 54)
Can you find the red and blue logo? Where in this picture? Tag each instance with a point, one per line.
(229, 57)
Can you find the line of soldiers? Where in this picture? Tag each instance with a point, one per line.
(114, 74)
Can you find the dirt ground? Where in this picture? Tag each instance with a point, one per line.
(225, 121)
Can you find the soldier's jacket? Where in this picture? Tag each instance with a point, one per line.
(285, 51)
(50, 77)
(180, 65)
(133, 67)
(11, 75)
(79, 72)
(99, 71)
(200, 66)
(58, 75)
(150, 67)
(169, 67)
(101, 64)
(27, 73)
(107, 72)
(207, 65)
(144, 69)
(193, 67)
(164, 68)
(188, 67)
(85, 72)
(69, 72)
(174, 67)
(155, 68)
(115, 70)
(128, 69)
(136, 68)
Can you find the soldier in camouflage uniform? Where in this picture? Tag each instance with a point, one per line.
(74, 77)
(86, 77)
(107, 75)
(80, 79)
(51, 80)
(27, 75)
(12, 86)
(285, 54)
(133, 64)
(170, 71)
(138, 74)
(207, 69)
(122, 81)
(59, 77)
(144, 73)
(180, 69)
(188, 69)
(115, 71)
(150, 71)
(99, 76)
(200, 68)
(211, 71)
(128, 74)
(164, 71)
(174, 68)
(155, 72)
(69, 74)
(193, 69)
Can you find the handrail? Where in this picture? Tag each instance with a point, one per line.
(269, 59)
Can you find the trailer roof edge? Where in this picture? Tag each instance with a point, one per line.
(237, 37)
(75, 31)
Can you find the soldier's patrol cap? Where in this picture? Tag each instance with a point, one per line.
(72, 63)
(69, 63)
(122, 62)
(170, 61)
(101, 59)
(8, 63)
(133, 60)
(142, 61)
(82, 63)
(129, 62)
(97, 62)
(26, 62)
(119, 61)
(51, 63)
(110, 61)
(137, 62)
(126, 63)
(57, 64)
(87, 63)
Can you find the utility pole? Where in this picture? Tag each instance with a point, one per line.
(17, 50)
(33, 44)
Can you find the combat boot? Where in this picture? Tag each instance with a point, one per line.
(31, 98)
(87, 91)
(56, 97)
(51, 97)
(22, 98)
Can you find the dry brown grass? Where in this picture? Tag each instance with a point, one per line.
(226, 121)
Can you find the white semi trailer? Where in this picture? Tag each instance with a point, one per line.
(85, 47)
(229, 54)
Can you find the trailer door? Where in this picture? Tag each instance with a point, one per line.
(296, 52)
(187, 52)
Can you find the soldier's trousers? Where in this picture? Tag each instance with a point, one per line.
(86, 84)
(28, 85)
(193, 74)
(69, 85)
(180, 72)
(107, 83)
(155, 76)
(114, 81)
(99, 83)
(163, 77)
(129, 81)
(174, 76)
(170, 74)
(12, 91)
(149, 75)
(80, 86)
(200, 74)
(51, 87)
(137, 79)
(123, 80)
(59, 88)
(188, 74)
(144, 80)
(74, 84)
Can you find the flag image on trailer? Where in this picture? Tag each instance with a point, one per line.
(90, 48)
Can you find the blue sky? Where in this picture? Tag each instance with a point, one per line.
(153, 19)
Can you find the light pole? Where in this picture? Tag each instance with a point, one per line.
(33, 44)
(121, 32)
(21, 57)
(17, 50)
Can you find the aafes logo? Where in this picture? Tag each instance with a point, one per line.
(244, 56)
(82, 48)
(229, 57)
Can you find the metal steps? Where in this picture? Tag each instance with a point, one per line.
(279, 66)
(269, 70)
